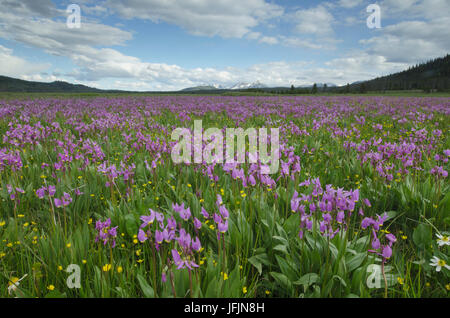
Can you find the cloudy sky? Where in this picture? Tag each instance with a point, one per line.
(173, 44)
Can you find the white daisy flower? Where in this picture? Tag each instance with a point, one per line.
(439, 263)
(443, 240)
(14, 283)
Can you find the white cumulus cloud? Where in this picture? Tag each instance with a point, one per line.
(225, 18)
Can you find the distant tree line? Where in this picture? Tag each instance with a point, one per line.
(431, 76)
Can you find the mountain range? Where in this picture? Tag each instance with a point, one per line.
(429, 76)
(245, 85)
(240, 85)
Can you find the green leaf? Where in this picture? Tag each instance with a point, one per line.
(391, 214)
(282, 280)
(355, 261)
(339, 278)
(254, 261)
(281, 248)
(422, 236)
(257, 261)
(287, 267)
(131, 225)
(362, 243)
(291, 224)
(307, 279)
(281, 231)
(234, 282)
(212, 290)
(146, 288)
(281, 239)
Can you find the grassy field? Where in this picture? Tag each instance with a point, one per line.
(92, 204)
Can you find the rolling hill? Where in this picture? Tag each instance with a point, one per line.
(9, 84)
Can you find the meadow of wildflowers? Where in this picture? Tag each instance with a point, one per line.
(359, 206)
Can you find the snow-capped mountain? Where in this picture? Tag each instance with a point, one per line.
(240, 85)
(218, 86)
(244, 85)
(205, 87)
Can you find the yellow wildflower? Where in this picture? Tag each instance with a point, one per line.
(106, 267)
